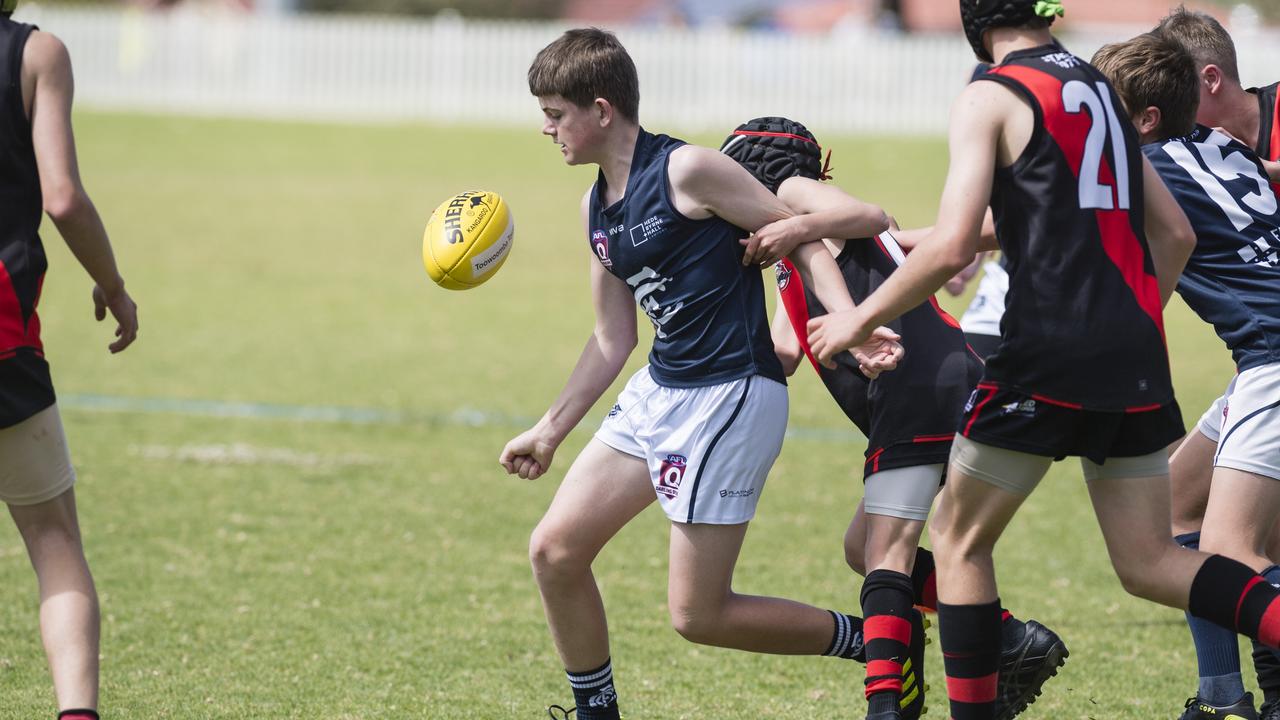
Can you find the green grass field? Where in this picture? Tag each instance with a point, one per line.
(254, 563)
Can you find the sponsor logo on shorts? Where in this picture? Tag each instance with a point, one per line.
(671, 475)
(737, 493)
(614, 411)
(600, 244)
(973, 398)
(1026, 407)
(783, 275)
(602, 699)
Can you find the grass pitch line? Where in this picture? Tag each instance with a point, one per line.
(464, 416)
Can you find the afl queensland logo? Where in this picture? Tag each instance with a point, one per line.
(671, 475)
(600, 244)
(782, 271)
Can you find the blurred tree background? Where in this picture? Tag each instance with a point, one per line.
(469, 8)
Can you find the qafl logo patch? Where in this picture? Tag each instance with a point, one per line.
(671, 475)
(782, 272)
(600, 245)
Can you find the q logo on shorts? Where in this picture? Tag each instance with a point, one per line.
(671, 475)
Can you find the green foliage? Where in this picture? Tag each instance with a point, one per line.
(254, 568)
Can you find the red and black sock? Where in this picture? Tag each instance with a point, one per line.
(886, 605)
(1230, 594)
(78, 715)
(924, 581)
(970, 637)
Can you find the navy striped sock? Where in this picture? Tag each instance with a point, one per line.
(594, 694)
(846, 640)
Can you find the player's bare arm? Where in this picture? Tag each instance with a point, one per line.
(823, 211)
(909, 239)
(785, 342)
(1169, 233)
(48, 84)
(705, 183)
(529, 454)
(975, 143)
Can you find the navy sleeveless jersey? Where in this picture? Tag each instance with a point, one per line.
(1083, 326)
(1268, 145)
(707, 308)
(920, 401)
(1232, 280)
(25, 386)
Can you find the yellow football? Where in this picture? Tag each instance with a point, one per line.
(467, 239)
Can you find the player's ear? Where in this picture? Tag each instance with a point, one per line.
(604, 112)
(1211, 76)
(1147, 121)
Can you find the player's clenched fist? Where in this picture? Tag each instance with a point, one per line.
(527, 455)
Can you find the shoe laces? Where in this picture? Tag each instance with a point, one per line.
(564, 714)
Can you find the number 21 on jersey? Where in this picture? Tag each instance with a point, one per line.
(1095, 194)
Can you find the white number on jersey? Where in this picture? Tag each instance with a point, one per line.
(1231, 166)
(1076, 95)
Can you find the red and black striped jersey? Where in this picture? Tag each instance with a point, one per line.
(25, 387)
(1268, 145)
(1083, 326)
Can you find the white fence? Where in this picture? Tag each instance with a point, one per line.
(454, 71)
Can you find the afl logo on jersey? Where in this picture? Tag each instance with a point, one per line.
(671, 475)
(783, 273)
(600, 244)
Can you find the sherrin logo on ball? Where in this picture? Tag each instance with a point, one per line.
(467, 239)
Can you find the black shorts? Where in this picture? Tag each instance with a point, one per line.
(984, 345)
(923, 450)
(1025, 422)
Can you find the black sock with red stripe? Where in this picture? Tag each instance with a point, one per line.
(78, 715)
(924, 580)
(970, 636)
(886, 627)
(1232, 595)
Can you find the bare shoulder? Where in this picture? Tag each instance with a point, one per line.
(45, 52)
(984, 99)
(690, 162)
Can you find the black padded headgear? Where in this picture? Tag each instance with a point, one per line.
(774, 149)
(979, 16)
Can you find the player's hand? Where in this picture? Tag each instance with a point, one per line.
(956, 285)
(123, 309)
(1226, 132)
(1273, 169)
(880, 353)
(528, 455)
(834, 333)
(776, 240)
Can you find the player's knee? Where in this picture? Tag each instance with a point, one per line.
(855, 556)
(1141, 571)
(552, 555)
(696, 624)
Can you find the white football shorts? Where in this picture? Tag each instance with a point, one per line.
(1210, 424)
(35, 465)
(1251, 426)
(709, 449)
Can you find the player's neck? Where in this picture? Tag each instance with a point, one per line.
(615, 160)
(1237, 112)
(1007, 40)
